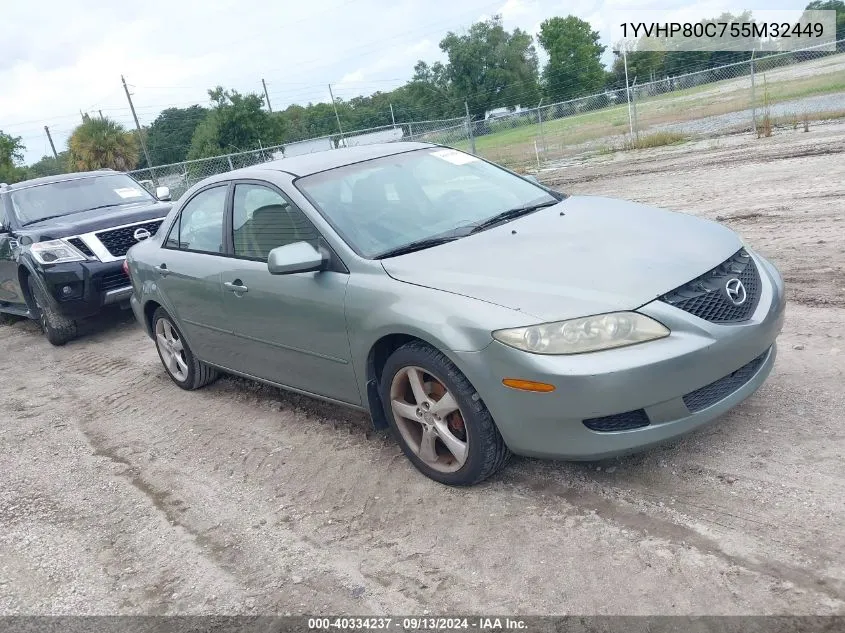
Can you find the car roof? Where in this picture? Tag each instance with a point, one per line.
(46, 180)
(307, 164)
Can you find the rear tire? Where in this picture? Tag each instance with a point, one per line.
(185, 369)
(58, 328)
(464, 446)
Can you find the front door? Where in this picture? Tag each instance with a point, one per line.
(189, 274)
(290, 329)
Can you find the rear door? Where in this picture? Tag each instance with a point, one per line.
(290, 329)
(189, 273)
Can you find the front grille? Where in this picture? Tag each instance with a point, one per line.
(118, 241)
(110, 281)
(700, 399)
(619, 421)
(81, 246)
(707, 297)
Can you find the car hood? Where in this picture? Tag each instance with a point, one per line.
(586, 255)
(94, 220)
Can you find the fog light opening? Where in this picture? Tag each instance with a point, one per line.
(528, 385)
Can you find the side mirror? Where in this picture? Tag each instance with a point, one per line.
(163, 193)
(299, 257)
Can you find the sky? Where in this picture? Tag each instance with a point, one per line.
(60, 57)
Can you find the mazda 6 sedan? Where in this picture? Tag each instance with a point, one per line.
(472, 310)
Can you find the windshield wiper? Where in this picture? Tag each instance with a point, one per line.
(417, 246)
(510, 214)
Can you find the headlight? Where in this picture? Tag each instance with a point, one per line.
(588, 334)
(55, 252)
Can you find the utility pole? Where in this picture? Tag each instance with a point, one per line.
(50, 138)
(628, 92)
(337, 116)
(266, 95)
(101, 114)
(137, 125)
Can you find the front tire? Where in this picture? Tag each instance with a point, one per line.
(185, 369)
(441, 424)
(58, 329)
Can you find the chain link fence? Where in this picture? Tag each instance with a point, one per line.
(179, 177)
(796, 89)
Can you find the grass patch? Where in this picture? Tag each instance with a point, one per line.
(657, 139)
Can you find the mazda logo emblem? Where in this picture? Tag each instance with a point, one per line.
(141, 234)
(736, 291)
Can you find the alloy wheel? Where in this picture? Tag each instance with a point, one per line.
(171, 349)
(429, 419)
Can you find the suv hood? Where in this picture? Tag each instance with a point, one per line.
(94, 220)
(586, 255)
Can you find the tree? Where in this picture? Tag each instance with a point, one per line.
(169, 136)
(490, 68)
(48, 166)
(236, 123)
(102, 143)
(574, 68)
(832, 5)
(11, 157)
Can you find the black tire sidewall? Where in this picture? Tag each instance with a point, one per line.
(476, 417)
(57, 333)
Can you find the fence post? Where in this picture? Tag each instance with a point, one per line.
(753, 97)
(231, 167)
(469, 129)
(634, 124)
(540, 126)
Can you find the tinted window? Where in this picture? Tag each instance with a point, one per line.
(200, 224)
(263, 219)
(382, 204)
(72, 196)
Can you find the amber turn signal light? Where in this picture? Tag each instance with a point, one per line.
(528, 385)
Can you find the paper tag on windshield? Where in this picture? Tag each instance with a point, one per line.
(454, 156)
(129, 192)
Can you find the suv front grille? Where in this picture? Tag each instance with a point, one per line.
(709, 395)
(118, 241)
(81, 246)
(618, 421)
(707, 297)
(110, 281)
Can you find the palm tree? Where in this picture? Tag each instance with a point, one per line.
(99, 143)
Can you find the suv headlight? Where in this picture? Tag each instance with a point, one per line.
(587, 334)
(55, 252)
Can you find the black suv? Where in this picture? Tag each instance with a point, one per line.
(63, 241)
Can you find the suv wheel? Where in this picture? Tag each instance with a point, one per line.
(442, 425)
(185, 369)
(59, 329)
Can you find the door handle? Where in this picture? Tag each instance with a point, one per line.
(162, 270)
(235, 286)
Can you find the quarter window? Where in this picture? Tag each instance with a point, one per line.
(199, 227)
(263, 219)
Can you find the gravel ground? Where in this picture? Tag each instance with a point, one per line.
(123, 494)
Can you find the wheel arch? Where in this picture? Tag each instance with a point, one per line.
(379, 352)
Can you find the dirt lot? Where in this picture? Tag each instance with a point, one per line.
(122, 493)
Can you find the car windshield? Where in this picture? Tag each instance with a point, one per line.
(381, 205)
(65, 197)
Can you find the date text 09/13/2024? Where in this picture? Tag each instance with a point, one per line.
(425, 623)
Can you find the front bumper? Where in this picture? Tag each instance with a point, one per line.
(652, 377)
(92, 284)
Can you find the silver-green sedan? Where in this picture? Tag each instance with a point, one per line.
(472, 310)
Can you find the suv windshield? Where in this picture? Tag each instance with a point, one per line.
(56, 199)
(381, 205)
